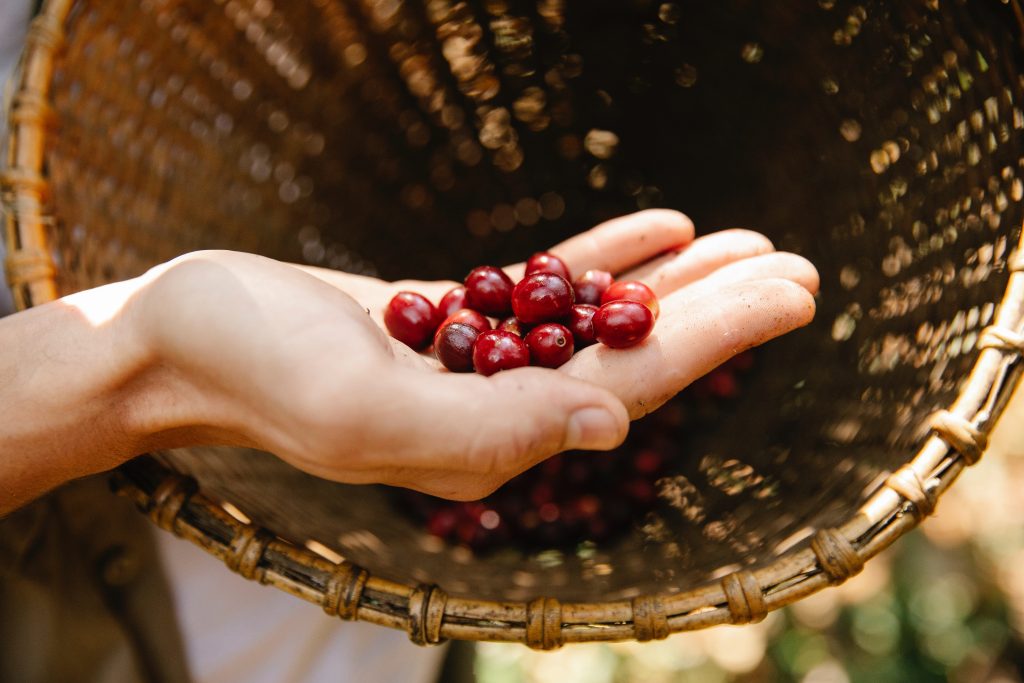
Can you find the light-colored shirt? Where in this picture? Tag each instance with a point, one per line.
(237, 631)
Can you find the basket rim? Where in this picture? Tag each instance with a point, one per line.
(958, 436)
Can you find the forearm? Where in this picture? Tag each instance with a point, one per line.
(75, 392)
(202, 350)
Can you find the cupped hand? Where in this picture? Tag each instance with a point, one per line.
(293, 360)
(720, 294)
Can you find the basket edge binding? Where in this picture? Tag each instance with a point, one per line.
(426, 612)
(29, 267)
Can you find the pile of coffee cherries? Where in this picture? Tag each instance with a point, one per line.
(576, 496)
(541, 320)
(491, 324)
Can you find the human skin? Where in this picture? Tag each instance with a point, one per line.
(227, 348)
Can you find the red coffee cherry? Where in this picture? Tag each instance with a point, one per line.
(489, 290)
(411, 319)
(640, 490)
(497, 350)
(542, 297)
(648, 461)
(468, 316)
(631, 290)
(453, 346)
(581, 324)
(546, 262)
(591, 285)
(721, 382)
(620, 324)
(742, 361)
(514, 325)
(442, 522)
(452, 301)
(551, 345)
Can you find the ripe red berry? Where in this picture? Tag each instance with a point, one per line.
(591, 285)
(631, 290)
(550, 345)
(453, 346)
(640, 490)
(552, 466)
(546, 262)
(541, 493)
(470, 533)
(619, 324)
(452, 301)
(411, 319)
(497, 350)
(542, 297)
(442, 522)
(549, 512)
(721, 382)
(514, 325)
(742, 361)
(489, 290)
(586, 506)
(468, 316)
(647, 461)
(581, 324)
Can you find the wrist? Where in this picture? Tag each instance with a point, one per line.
(69, 372)
(168, 401)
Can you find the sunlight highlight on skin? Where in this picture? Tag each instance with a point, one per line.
(101, 305)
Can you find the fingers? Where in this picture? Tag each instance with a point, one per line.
(699, 259)
(490, 428)
(692, 336)
(779, 264)
(658, 387)
(622, 242)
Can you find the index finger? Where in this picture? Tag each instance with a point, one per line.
(621, 243)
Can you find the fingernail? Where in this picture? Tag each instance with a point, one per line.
(592, 429)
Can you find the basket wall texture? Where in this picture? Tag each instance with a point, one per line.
(882, 140)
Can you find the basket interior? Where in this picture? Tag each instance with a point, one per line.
(882, 140)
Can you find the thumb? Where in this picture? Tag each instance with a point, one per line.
(501, 425)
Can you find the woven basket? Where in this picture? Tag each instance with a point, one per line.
(883, 140)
